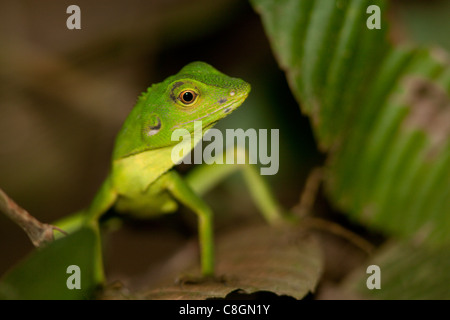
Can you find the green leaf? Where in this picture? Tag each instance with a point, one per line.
(407, 272)
(43, 275)
(382, 112)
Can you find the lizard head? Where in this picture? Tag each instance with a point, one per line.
(198, 92)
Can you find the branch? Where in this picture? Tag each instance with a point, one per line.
(38, 232)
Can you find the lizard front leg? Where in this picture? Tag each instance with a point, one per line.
(204, 177)
(182, 192)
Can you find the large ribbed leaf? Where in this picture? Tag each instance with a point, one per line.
(381, 111)
(407, 272)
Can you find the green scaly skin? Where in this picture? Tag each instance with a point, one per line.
(140, 181)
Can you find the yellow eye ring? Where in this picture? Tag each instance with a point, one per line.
(187, 97)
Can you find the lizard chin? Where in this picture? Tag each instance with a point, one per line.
(209, 126)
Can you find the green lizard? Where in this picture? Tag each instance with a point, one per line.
(140, 181)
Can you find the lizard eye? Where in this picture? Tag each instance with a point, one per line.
(188, 96)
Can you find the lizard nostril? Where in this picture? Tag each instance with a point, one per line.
(232, 93)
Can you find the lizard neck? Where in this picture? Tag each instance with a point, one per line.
(134, 174)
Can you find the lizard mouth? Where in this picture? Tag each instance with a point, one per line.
(209, 126)
(227, 109)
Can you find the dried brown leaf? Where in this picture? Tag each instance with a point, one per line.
(283, 260)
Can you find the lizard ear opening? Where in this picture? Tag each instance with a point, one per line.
(152, 126)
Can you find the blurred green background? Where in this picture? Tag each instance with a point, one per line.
(64, 95)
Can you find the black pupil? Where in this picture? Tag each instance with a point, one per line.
(188, 96)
